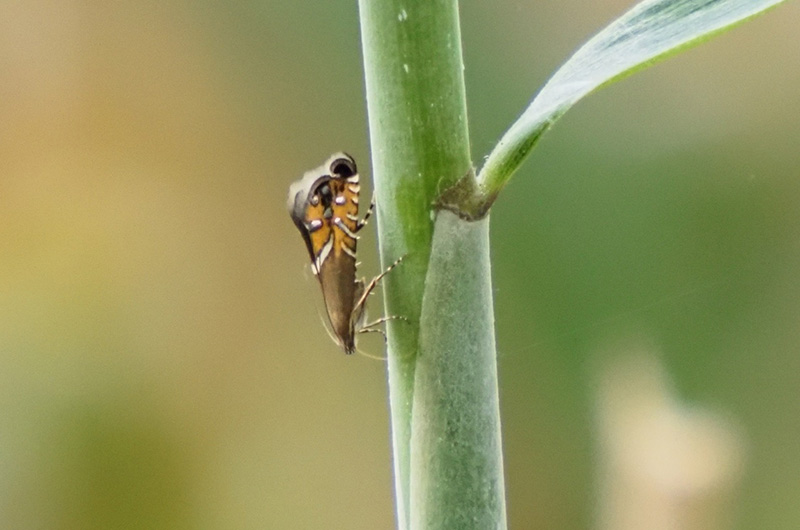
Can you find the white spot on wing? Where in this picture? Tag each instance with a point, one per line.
(348, 251)
(343, 227)
(324, 252)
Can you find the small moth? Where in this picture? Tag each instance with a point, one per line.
(324, 207)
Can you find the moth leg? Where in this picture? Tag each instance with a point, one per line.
(362, 223)
(365, 354)
(367, 327)
(374, 283)
(368, 330)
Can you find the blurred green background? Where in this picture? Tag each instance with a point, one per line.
(162, 361)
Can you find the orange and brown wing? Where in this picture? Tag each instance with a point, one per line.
(310, 211)
(345, 215)
(324, 207)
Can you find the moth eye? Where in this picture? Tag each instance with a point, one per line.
(321, 192)
(343, 167)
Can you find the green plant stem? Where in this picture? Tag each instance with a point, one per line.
(456, 450)
(420, 146)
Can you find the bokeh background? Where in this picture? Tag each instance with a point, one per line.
(162, 362)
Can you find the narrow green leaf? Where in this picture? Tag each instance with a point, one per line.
(650, 31)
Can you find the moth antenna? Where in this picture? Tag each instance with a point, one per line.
(372, 357)
(369, 355)
(376, 357)
(327, 328)
(369, 328)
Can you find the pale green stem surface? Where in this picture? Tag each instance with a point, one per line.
(456, 449)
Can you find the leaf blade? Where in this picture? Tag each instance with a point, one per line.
(650, 31)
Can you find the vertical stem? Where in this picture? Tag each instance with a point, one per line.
(456, 448)
(420, 146)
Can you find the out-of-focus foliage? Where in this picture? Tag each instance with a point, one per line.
(162, 361)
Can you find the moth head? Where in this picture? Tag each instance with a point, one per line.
(310, 201)
(303, 191)
(342, 165)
